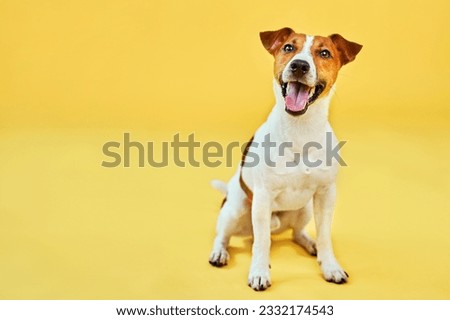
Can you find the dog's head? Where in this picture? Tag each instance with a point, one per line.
(306, 67)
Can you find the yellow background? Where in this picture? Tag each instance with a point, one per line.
(76, 74)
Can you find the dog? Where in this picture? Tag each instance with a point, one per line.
(262, 199)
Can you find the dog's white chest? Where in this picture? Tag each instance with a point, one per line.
(294, 187)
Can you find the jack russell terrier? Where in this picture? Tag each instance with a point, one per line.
(263, 199)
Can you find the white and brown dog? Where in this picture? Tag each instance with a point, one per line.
(275, 196)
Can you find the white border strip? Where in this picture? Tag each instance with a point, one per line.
(272, 309)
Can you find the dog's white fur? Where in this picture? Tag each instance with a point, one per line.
(305, 55)
(283, 197)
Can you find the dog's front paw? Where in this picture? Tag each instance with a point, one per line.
(219, 258)
(332, 272)
(259, 280)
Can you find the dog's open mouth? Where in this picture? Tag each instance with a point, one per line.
(298, 96)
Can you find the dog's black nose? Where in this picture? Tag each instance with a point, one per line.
(300, 65)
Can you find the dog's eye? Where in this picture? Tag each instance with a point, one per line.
(288, 48)
(325, 54)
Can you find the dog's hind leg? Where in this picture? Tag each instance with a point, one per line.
(301, 237)
(234, 219)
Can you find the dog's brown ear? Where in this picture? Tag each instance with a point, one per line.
(272, 40)
(347, 49)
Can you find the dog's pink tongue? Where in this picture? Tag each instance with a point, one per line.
(297, 96)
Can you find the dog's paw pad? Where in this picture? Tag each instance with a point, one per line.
(219, 258)
(259, 282)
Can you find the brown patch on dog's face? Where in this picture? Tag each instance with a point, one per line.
(330, 54)
(284, 54)
(326, 60)
(283, 44)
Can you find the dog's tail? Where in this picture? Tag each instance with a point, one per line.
(220, 185)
